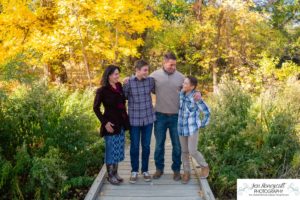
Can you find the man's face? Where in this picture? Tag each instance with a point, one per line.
(143, 72)
(169, 66)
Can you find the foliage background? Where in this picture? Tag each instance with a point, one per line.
(245, 54)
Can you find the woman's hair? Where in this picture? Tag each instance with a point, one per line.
(193, 80)
(108, 71)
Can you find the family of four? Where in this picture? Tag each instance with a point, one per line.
(178, 107)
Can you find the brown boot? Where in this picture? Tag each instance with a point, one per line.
(185, 178)
(116, 173)
(158, 174)
(204, 172)
(176, 176)
(110, 175)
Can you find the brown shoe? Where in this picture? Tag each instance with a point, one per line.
(185, 178)
(176, 176)
(204, 172)
(157, 174)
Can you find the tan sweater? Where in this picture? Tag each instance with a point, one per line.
(167, 88)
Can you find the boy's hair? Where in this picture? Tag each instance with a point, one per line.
(139, 64)
(169, 56)
(193, 80)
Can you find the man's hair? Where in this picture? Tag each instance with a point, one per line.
(169, 56)
(139, 64)
(193, 80)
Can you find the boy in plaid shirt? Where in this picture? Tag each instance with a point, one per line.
(189, 123)
(138, 91)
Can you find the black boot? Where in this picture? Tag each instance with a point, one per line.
(116, 173)
(110, 175)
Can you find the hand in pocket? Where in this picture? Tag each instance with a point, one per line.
(109, 126)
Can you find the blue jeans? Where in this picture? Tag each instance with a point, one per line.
(138, 133)
(162, 123)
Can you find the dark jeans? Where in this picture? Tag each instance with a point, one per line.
(162, 123)
(138, 133)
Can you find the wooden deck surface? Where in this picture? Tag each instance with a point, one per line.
(164, 188)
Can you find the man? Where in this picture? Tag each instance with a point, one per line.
(168, 83)
(141, 116)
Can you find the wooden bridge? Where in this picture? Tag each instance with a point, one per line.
(164, 188)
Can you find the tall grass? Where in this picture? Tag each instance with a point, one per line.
(49, 142)
(252, 136)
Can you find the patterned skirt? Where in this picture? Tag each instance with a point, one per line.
(115, 148)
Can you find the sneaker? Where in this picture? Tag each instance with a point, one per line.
(147, 176)
(133, 177)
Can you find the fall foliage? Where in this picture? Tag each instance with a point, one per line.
(245, 54)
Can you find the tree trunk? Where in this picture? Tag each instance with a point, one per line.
(216, 53)
(63, 76)
(215, 80)
(84, 54)
(46, 72)
(116, 46)
(197, 9)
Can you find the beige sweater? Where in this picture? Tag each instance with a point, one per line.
(167, 88)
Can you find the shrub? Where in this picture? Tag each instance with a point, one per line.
(251, 137)
(49, 141)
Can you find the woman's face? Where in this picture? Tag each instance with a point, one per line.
(114, 77)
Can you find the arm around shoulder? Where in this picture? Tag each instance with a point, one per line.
(126, 89)
(152, 84)
(206, 111)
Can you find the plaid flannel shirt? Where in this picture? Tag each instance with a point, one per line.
(189, 114)
(140, 108)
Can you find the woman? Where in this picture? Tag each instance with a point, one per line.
(189, 124)
(114, 120)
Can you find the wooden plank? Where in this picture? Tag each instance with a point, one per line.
(97, 184)
(127, 166)
(168, 174)
(127, 161)
(127, 170)
(164, 188)
(204, 186)
(147, 198)
(149, 187)
(151, 193)
(163, 177)
(161, 182)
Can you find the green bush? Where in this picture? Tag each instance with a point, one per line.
(49, 142)
(251, 137)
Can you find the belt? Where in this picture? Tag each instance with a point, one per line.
(168, 114)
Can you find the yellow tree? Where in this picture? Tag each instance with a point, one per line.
(82, 32)
(17, 22)
(20, 21)
(215, 37)
(232, 35)
(90, 31)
